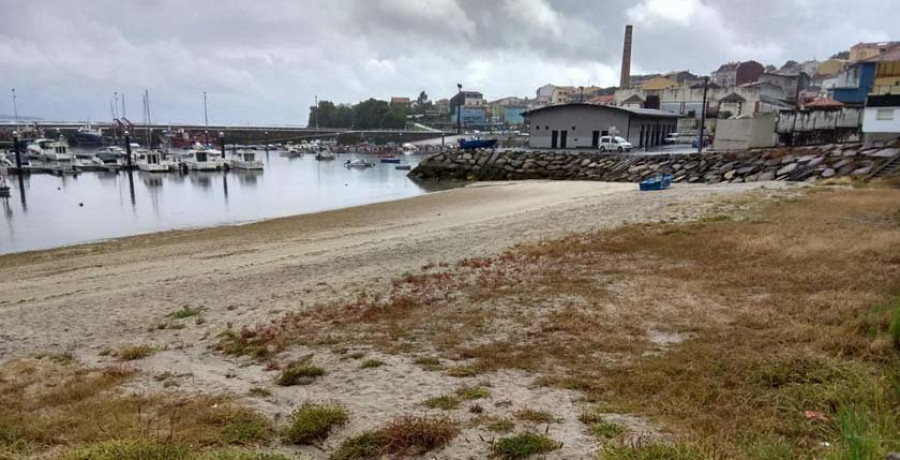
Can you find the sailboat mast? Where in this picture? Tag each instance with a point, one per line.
(149, 129)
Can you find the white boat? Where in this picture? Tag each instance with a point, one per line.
(358, 164)
(203, 160)
(50, 150)
(293, 151)
(246, 159)
(324, 155)
(152, 161)
(409, 148)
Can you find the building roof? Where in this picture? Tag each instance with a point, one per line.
(824, 103)
(892, 54)
(400, 100)
(602, 99)
(648, 113)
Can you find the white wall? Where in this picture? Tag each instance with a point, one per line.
(745, 133)
(872, 125)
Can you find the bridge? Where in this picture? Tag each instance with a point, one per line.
(247, 134)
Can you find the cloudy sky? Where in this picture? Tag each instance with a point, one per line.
(262, 61)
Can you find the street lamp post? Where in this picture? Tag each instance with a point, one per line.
(128, 150)
(222, 141)
(459, 104)
(18, 155)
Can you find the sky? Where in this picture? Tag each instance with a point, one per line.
(264, 61)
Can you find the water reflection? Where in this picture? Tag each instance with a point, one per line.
(98, 205)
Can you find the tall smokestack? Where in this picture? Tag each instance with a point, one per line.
(625, 82)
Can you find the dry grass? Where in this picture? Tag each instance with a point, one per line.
(524, 445)
(135, 352)
(46, 405)
(726, 331)
(312, 423)
(406, 436)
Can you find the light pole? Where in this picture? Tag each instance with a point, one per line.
(459, 103)
(18, 155)
(222, 142)
(15, 108)
(128, 150)
(703, 116)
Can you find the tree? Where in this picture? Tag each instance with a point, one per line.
(345, 116)
(323, 115)
(422, 99)
(841, 55)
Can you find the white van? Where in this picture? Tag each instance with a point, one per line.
(614, 143)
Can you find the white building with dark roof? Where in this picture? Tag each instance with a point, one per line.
(572, 126)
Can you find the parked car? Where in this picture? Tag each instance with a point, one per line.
(671, 138)
(614, 143)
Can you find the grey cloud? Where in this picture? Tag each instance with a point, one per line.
(264, 61)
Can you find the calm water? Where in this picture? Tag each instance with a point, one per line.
(51, 214)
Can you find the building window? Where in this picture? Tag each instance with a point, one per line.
(884, 114)
(573, 128)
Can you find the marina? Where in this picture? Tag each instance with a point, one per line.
(50, 210)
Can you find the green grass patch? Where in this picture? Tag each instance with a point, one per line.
(463, 371)
(244, 427)
(473, 393)
(129, 449)
(371, 364)
(299, 373)
(259, 392)
(368, 445)
(356, 355)
(407, 436)
(535, 416)
(135, 352)
(312, 422)
(429, 363)
(186, 312)
(524, 445)
(680, 451)
(500, 425)
(442, 402)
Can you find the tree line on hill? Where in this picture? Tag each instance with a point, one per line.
(370, 114)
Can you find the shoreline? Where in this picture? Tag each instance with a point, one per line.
(85, 302)
(188, 229)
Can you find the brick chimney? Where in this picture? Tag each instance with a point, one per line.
(625, 82)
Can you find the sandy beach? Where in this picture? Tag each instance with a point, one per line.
(85, 299)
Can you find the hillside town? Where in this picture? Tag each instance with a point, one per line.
(852, 96)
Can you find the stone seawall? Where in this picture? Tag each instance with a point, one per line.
(793, 164)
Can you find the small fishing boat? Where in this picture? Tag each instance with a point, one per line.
(152, 161)
(293, 151)
(50, 150)
(358, 164)
(403, 167)
(246, 159)
(203, 160)
(660, 182)
(392, 160)
(324, 155)
(477, 144)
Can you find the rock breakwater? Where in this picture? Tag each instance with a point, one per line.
(791, 164)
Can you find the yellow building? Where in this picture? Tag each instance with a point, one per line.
(831, 67)
(561, 94)
(659, 83)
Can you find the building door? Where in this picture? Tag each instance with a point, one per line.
(554, 139)
(595, 139)
(562, 138)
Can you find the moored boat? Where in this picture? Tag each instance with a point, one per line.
(246, 159)
(152, 161)
(358, 164)
(660, 182)
(324, 155)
